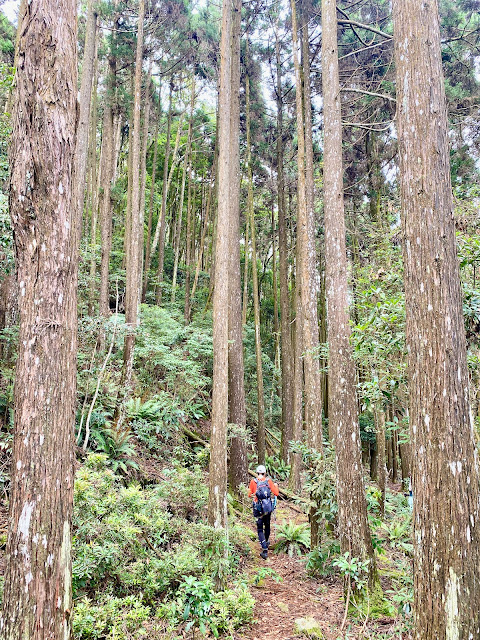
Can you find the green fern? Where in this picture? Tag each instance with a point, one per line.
(293, 539)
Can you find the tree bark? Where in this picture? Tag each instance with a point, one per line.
(296, 458)
(163, 211)
(217, 493)
(306, 238)
(37, 601)
(107, 157)
(94, 195)
(133, 273)
(256, 302)
(178, 230)
(343, 409)
(84, 104)
(150, 207)
(143, 175)
(236, 383)
(286, 339)
(188, 244)
(206, 224)
(444, 460)
(381, 448)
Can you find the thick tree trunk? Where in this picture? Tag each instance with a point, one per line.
(37, 600)
(444, 461)
(133, 273)
(343, 409)
(236, 385)
(286, 336)
(217, 493)
(306, 239)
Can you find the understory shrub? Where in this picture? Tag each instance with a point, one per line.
(137, 546)
(111, 619)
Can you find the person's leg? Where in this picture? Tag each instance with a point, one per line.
(266, 522)
(261, 535)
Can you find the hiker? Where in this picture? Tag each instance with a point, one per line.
(263, 490)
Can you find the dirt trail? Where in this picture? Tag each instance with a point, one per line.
(279, 604)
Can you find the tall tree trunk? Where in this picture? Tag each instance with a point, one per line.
(297, 435)
(150, 206)
(133, 274)
(163, 211)
(236, 384)
(37, 600)
(245, 274)
(85, 101)
(143, 171)
(188, 245)
(217, 493)
(178, 230)
(306, 238)
(106, 173)
(256, 302)
(381, 448)
(286, 340)
(94, 197)
(444, 461)
(205, 227)
(343, 410)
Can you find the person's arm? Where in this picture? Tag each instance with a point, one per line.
(273, 487)
(252, 488)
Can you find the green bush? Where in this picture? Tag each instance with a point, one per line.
(197, 605)
(131, 539)
(320, 560)
(112, 619)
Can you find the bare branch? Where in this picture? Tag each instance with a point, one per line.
(369, 93)
(354, 23)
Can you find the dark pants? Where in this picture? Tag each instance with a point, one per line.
(263, 529)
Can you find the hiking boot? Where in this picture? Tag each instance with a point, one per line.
(264, 554)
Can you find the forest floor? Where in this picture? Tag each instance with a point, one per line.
(287, 593)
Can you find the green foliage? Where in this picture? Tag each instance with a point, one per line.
(353, 569)
(265, 572)
(276, 467)
(130, 540)
(320, 560)
(293, 539)
(197, 604)
(179, 356)
(112, 619)
(156, 421)
(197, 596)
(320, 481)
(117, 444)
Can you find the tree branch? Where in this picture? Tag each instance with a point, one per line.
(369, 93)
(354, 23)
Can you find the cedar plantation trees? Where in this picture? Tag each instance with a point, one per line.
(329, 227)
